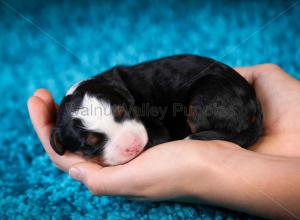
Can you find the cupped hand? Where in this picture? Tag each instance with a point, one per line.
(279, 94)
(169, 171)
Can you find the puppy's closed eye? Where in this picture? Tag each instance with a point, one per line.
(94, 138)
(94, 143)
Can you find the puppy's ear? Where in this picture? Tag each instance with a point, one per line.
(55, 142)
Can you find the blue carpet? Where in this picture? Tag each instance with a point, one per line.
(71, 40)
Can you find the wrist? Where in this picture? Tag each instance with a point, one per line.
(210, 174)
(240, 179)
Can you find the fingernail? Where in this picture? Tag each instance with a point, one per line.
(75, 173)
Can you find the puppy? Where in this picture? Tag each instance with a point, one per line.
(114, 116)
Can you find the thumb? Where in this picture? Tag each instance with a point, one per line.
(103, 180)
(81, 171)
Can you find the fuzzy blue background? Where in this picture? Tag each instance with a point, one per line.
(53, 44)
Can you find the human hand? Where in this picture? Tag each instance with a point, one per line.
(170, 170)
(279, 95)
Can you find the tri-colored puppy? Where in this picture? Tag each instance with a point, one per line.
(115, 115)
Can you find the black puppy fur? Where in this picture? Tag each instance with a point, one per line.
(205, 100)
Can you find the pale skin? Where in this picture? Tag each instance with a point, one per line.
(263, 180)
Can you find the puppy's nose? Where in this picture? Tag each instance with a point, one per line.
(134, 147)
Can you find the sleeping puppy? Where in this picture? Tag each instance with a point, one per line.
(114, 116)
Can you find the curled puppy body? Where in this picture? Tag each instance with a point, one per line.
(115, 115)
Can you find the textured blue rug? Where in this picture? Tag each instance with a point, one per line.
(55, 44)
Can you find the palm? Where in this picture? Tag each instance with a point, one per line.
(168, 171)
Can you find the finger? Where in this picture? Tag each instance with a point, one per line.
(246, 72)
(267, 70)
(42, 121)
(46, 96)
(40, 115)
(115, 180)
